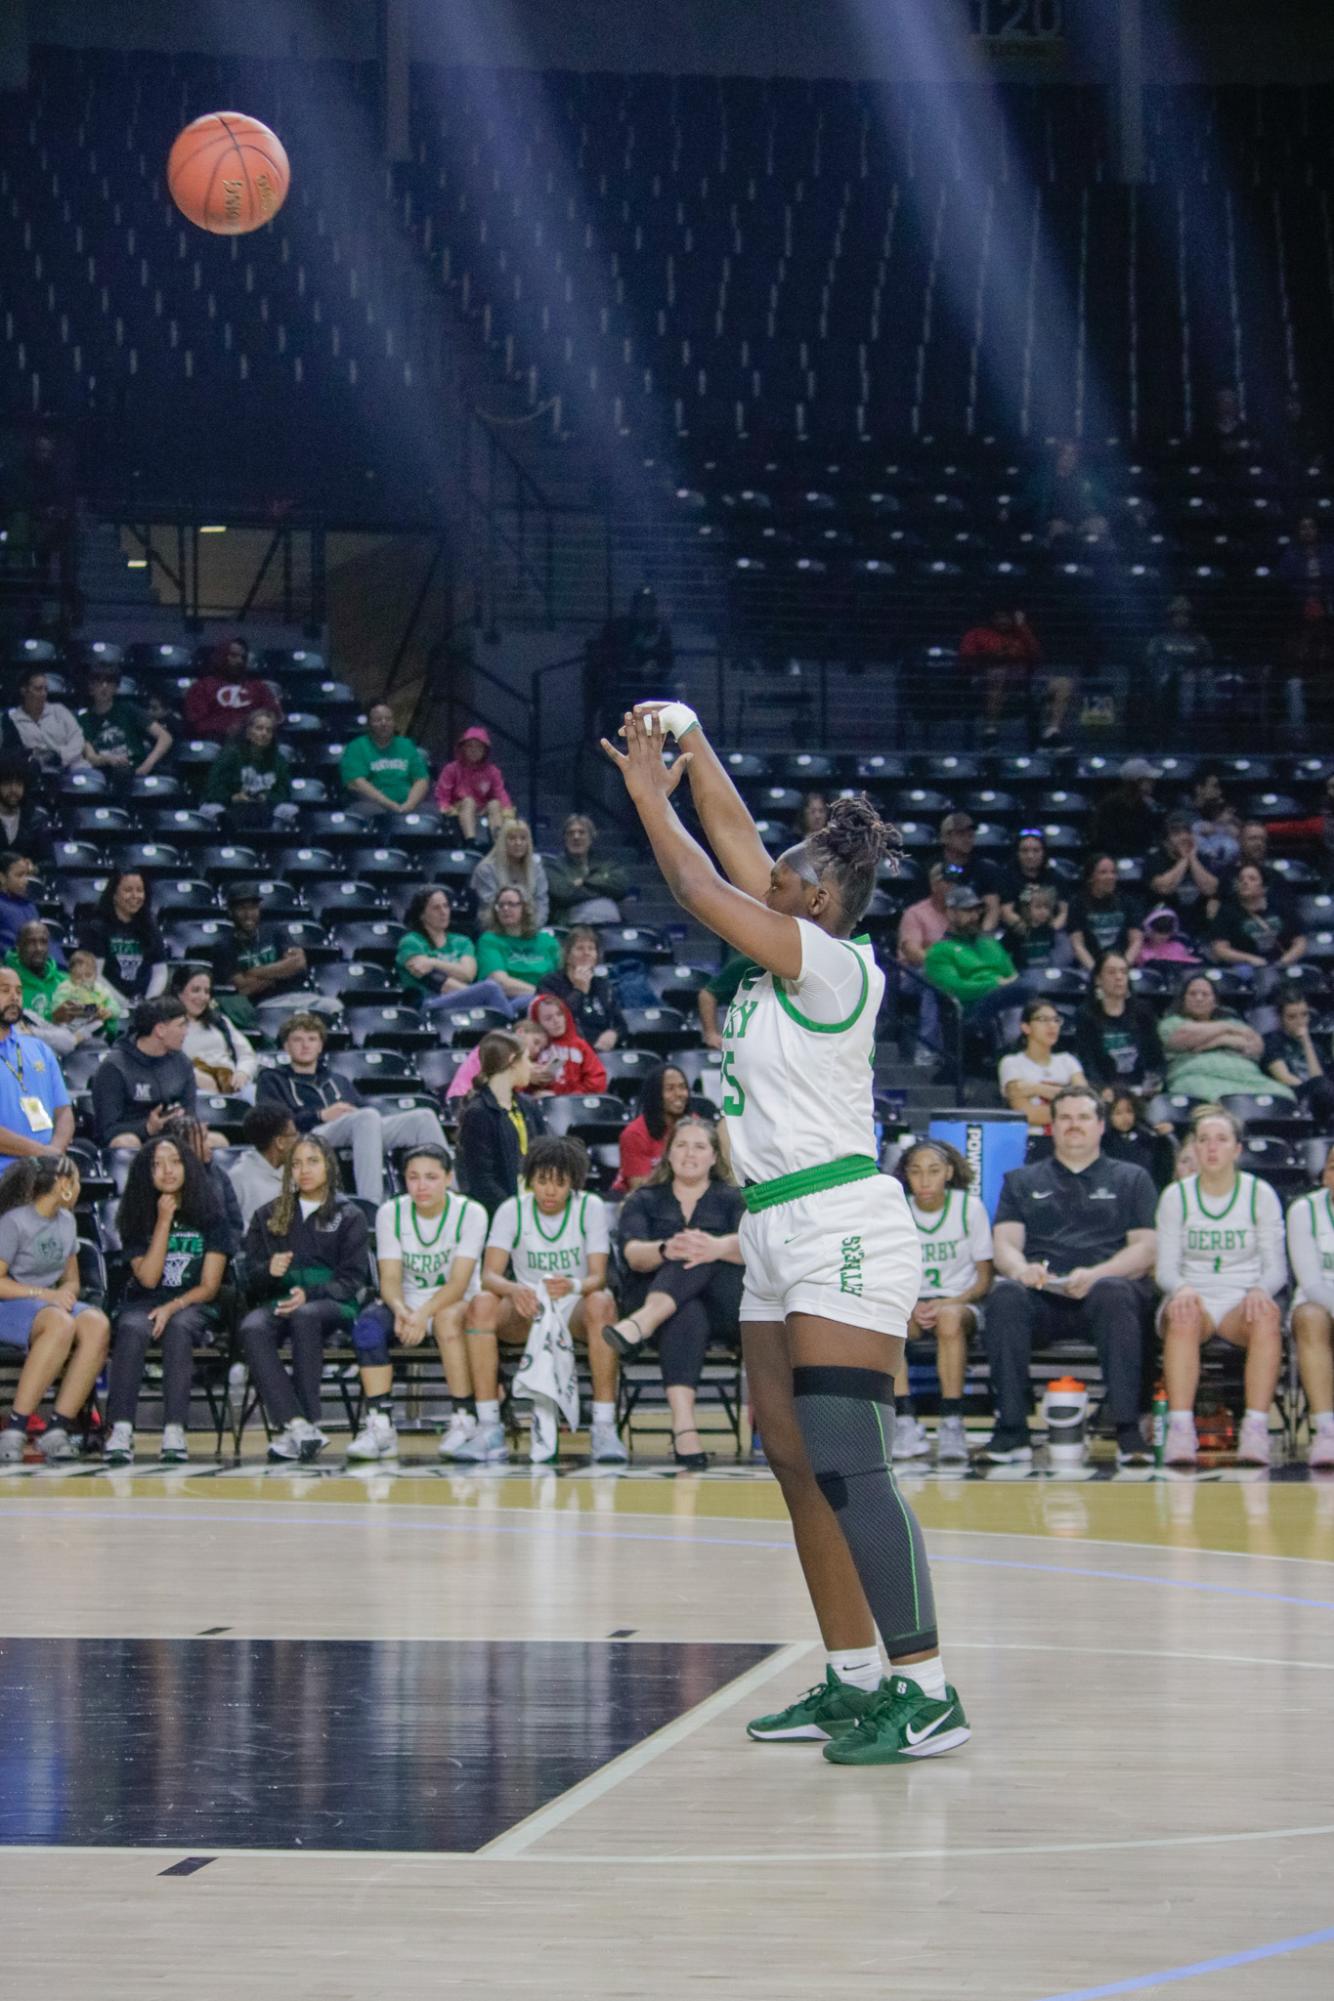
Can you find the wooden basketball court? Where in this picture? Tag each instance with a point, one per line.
(307, 1733)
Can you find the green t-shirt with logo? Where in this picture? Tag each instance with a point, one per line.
(415, 944)
(393, 770)
(529, 959)
(123, 727)
(181, 1267)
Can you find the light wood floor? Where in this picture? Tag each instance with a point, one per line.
(1148, 1666)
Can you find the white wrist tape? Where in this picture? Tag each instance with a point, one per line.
(676, 718)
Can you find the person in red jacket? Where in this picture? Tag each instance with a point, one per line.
(218, 703)
(1006, 649)
(576, 1068)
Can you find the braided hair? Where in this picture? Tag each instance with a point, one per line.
(849, 850)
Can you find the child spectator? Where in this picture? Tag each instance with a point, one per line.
(534, 1039)
(497, 1127)
(1129, 1136)
(1163, 943)
(16, 906)
(82, 1001)
(1035, 939)
(574, 1068)
(472, 786)
(385, 773)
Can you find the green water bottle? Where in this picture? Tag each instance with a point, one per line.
(1160, 1425)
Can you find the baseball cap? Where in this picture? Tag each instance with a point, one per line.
(962, 897)
(957, 823)
(243, 892)
(103, 670)
(1139, 767)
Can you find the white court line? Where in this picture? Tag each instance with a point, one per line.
(521, 1838)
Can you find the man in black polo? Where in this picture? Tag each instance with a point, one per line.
(1075, 1249)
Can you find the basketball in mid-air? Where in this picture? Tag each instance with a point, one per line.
(228, 173)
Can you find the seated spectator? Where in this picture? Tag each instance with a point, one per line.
(1221, 1266)
(250, 781)
(1311, 1255)
(1007, 653)
(573, 1067)
(1215, 823)
(1178, 663)
(307, 1087)
(1291, 1058)
(958, 837)
(1116, 1035)
(1066, 500)
(36, 1116)
(176, 1245)
(384, 773)
(813, 817)
(268, 1134)
(643, 1143)
(1031, 869)
(1104, 917)
(513, 951)
(82, 1002)
(971, 968)
(254, 959)
(39, 974)
(1129, 820)
(146, 1082)
(1253, 848)
(428, 1245)
(719, 991)
(585, 990)
(957, 1272)
(25, 827)
(1307, 564)
(922, 925)
(46, 730)
(1164, 944)
(512, 864)
(679, 1242)
(121, 934)
(1210, 1053)
(1032, 1077)
(472, 786)
(194, 1137)
(224, 1059)
(1250, 930)
(437, 967)
(41, 1314)
(552, 1234)
(118, 737)
(16, 906)
(584, 891)
(497, 1128)
(1074, 1245)
(1034, 939)
(534, 1039)
(1178, 877)
(1314, 831)
(217, 704)
(1129, 1136)
(307, 1267)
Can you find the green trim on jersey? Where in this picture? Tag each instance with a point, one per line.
(427, 1243)
(1217, 1215)
(930, 1229)
(828, 1027)
(808, 1181)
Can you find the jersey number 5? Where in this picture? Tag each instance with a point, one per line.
(734, 1098)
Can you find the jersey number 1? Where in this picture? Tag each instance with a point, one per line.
(734, 1098)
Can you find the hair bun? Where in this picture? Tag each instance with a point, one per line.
(856, 833)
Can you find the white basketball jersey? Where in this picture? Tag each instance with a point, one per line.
(797, 1060)
(955, 1241)
(1227, 1241)
(1311, 1246)
(549, 1246)
(426, 1246)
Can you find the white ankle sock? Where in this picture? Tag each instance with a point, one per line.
(1181, 1416)
(1324, 1420)
(861, 1669)
(488, 1413)
(929, 1676)
(604, 1413)
(1259, 1416)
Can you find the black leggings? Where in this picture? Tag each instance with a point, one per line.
(185, 1331)
(708, 1306)
(263, 1332)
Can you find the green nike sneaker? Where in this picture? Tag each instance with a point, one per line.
(824, 1712)
(901, 1722)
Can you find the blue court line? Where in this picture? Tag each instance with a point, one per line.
(471, 1525)
(1277, 1950)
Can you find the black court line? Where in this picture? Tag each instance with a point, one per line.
(191, 1866)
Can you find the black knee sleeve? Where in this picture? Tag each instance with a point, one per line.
(847, 1422)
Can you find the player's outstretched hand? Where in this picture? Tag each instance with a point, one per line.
(641, 763)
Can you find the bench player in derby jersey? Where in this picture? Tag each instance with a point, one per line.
(957, 1271)
(833, 1265)
(1221, 1264)
(1311, 1255)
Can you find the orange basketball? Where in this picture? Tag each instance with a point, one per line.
(228, 173)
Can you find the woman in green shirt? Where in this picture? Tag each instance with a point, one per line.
(250, 781)
(437, 967)
(1211, 1053)
(514, 953)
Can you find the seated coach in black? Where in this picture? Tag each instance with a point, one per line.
(1075, 1249)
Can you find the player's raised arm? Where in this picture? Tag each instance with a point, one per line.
(724, 814)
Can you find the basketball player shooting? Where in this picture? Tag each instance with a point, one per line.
(833, 1267)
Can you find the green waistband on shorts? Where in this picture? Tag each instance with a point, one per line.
(808, 1181)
